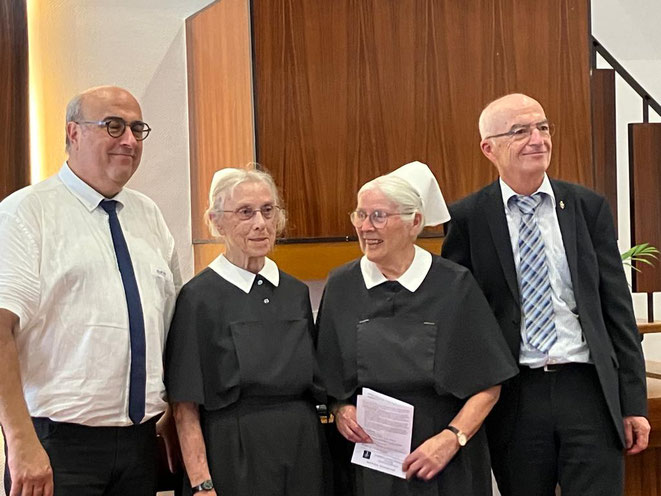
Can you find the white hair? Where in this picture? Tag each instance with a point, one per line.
(224, 189)
(74, 114)
(401, 193)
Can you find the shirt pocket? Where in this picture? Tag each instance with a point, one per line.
(395, 353)
(162, 279)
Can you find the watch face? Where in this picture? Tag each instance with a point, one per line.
(207, 485)
(462, 439)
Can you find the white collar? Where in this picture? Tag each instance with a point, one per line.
(87, 195)
(545, 188)
(411, 279)
(242, 278)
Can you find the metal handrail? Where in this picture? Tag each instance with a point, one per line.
(648, 101)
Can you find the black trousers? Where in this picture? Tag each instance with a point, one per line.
(563, 434)
(103, 461)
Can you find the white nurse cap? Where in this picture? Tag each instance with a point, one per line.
(421, 178)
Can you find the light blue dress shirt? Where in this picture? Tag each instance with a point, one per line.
(571, 345)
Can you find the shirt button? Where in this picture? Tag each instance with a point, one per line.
(260, 282)
(266, 300)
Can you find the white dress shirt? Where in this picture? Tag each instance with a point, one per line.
(571, 345)
(412, 277)
(242, 278)
(59, 275)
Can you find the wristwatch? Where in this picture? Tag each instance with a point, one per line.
(461, 437)
(207, 485)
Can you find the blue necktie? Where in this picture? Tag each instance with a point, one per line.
(136, 320)
(536, 302)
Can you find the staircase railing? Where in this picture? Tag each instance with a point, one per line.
(648, 101)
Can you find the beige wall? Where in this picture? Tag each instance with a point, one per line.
(76, 44)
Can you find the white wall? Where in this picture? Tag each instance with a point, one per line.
(137, 45)
(627, 29)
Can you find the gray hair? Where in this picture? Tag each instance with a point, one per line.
(223, 189)
(74, 113)
(399, 192)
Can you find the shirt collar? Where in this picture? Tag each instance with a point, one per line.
(244, 279)
(87, 195)
(545, 188)
(411, 279)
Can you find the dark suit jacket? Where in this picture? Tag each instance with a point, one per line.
(478, 238)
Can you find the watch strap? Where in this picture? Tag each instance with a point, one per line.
(205, 486)
(453, 429)
(461, 436)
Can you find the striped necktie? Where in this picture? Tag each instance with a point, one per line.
(137, 375)
(536, 303)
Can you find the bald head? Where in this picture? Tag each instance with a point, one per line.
(499, 113)
(77, 105)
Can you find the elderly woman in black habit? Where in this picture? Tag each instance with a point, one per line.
(240, 356)
(416, 327)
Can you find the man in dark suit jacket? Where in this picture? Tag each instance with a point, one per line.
(580, 399)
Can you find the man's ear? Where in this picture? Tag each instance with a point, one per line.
(73, 132)
(487, 148)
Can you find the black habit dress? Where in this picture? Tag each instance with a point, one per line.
(433, 348)
(247, 360)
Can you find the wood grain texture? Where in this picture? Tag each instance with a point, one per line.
(219, 98)
(602, 82)
(306, 261)
(642, 471)
(645, 327)
(14, 130)
(348, 90)
(645, 200)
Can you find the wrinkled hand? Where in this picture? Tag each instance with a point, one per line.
(636, 434)
(347, 425)
(431, 456)
(30, 470)
(165, 428)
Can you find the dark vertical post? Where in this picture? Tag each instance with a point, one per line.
(646, 110)
(14, 130)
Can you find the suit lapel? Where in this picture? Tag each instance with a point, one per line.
(565, 208)
(495, 217)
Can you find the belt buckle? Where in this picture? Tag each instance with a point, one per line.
(550, 367)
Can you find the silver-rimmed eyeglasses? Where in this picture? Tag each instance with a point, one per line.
(116, 127)
(378, 218)
(521, 132)
(247, 213)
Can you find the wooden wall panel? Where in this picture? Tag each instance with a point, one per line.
(307, 261)
(14, 130)
(602, 83)
(219, 98)
(645, 200)
(347, 90)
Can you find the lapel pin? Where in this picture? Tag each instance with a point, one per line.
(562, 205)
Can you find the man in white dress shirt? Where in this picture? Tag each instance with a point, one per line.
(88, 278)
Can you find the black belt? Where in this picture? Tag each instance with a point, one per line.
(556, 367)
(44, 421)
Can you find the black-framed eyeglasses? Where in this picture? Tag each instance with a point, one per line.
(247, 213)
(545, 128)
(378, 218)
(116, 127)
